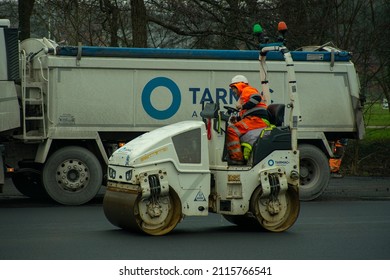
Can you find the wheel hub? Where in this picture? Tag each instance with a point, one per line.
(154, 210)
(274, 207)
(273, 211)
(307, 170)
(72, 175)
(153, 214)
(304, 171)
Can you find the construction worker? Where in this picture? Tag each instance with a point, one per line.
(252, 115)
(335, 162)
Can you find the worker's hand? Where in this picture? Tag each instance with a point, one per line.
(233, 119)
(238, 106)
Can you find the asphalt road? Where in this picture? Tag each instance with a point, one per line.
(350, 187)
(348, 223)
(355, 230)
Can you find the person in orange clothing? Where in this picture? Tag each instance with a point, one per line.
(335, 162)
(252, 115)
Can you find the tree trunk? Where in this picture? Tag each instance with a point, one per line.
(111, 21)
(355, 159)
(139, 23)
(25, 8)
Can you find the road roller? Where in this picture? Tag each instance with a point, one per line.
(183, 169)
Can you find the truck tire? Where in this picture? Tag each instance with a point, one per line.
(72, 176)
(314, 172)
(28, 181)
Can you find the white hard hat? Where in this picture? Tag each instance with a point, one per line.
(239, 79)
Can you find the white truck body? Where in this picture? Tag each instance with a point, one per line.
(96, 97)
(136, 94)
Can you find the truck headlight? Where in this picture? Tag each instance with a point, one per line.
(128, 175)
(111, 173)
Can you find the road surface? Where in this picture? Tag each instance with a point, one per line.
(347, 222)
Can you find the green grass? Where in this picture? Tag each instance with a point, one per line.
(377, 134)
(375, 115)
(377, 122)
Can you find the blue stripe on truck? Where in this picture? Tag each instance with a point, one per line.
(197, 53)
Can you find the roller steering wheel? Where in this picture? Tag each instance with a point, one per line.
(231, 109)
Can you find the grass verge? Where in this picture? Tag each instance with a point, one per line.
(370, 156)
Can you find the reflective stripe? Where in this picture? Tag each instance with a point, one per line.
(233, 143)
(250, 111)
(236, 150)
(253, 100)
(236, 130)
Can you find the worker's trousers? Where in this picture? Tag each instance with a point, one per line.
(236, 130)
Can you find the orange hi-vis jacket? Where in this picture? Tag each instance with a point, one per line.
(251, 102)
(252, 115)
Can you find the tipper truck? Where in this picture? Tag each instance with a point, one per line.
(65, 109)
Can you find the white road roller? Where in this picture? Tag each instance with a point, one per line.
(180, 170)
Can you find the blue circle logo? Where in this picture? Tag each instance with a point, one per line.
(146, 98)
(271, 162)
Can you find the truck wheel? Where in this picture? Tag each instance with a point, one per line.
(314, 172)
(278, 214)
(72, 176)
(28, 181)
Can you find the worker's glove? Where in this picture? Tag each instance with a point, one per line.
(234, 119)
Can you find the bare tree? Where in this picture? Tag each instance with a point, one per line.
(211, 23)
(111, 22)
